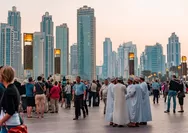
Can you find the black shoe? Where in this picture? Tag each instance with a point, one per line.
(87, 113)
(167, 111)
(84, 115)
(174, 111)
(120, 126)
(181, 111)
(52, 112)
(56, 112)
(75, 119)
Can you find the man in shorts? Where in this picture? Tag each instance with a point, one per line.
(40, 97)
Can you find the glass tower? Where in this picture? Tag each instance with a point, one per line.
(47, 29)
(74, 60)
(86, 40)
(62, 42)
(6, 44)
(107, 58)
(173, 51)
(14, 20)
(38, 54)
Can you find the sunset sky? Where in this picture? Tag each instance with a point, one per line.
(144, 22)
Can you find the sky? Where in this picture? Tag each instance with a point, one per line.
(144, 22)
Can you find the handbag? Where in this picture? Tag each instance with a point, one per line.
(181, 94)
(19, 129)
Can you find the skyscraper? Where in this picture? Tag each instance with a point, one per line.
(173, 51)
(153, 59)
(107, 58)
(47, 28)
(114, 64)
(62, 42)
(86, 39)
(123, 59)
(120, 61)
(6, 44)
(74, 60)
(14, 20)
(38, 54)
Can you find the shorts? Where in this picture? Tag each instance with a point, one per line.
(30, 101)
(181, 101)
(40, 99)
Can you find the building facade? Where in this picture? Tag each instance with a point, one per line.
(38, 54)
(14, 20)
(114, 64)
(99, 72)
(153, 59)
(107, 58)
(62, 42)
(123, 59)
(86, 40)
(74, 60)
(6, 44)
(173, 51)
(47, 28)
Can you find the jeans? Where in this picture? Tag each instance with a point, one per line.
(171, 94)
(68, 96)
(92, 95)
(4, 130)
(155, 95)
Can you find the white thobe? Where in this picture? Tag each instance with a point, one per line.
(120, 114)
(110, 103)
(146, 110)
(131, 102)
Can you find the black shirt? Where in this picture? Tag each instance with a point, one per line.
(174, 85)
(39, 88)
(10, 100)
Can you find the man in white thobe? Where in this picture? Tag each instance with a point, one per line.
(146, 110)
(110, 102)
(120, 114)
(134, 97)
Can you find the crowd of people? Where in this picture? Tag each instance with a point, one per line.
(124, 104)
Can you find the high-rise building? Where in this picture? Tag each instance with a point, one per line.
(114, 64)
(153, 59)
(99, 72)
(107, 58)
(123, 59)
(74, 60)
(38, 54)
(173, 51)
(6, 44)
(14, 20)
(86, 40)
(62, 43)
(47, 28)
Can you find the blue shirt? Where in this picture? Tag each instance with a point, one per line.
(155, 86)
(29, 89)
(79, 88)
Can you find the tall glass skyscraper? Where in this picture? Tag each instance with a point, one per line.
(62, 42)
(173, 51)
(6, 44)
(153, 59)
(74, 60)
(86, 40)
(14, 20)
(107, 58)
(38, 54)
(47, 28)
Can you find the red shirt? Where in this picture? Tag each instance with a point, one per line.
(54, 92)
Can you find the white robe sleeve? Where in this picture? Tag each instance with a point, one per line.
(144, 89)
(131, 93)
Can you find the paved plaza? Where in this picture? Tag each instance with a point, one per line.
(94, 123)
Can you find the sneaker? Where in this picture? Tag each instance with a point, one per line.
(181, 111)
(75, 119)
(167, 111)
